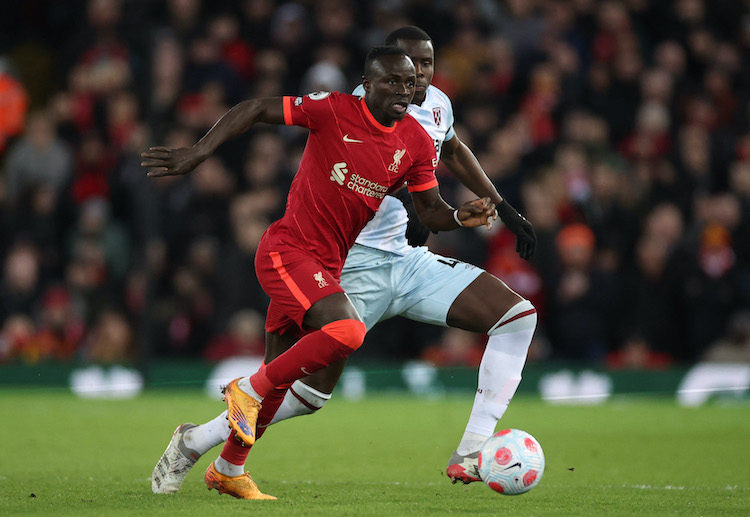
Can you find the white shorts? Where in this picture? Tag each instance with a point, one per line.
(420, 285)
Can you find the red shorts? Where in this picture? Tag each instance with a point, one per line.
(294, 280)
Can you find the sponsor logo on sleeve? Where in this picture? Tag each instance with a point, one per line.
(318, 96)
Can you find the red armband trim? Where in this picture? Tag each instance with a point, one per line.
(422, 187)
(287, 108)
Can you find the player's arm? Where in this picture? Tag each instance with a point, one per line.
(437, 215)
(162, 161)
(466, 168)
(462, 163)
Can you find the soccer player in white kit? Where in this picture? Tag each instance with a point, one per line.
(386, 275)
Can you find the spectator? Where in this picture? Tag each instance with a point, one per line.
(38, 158)
(580, 305)
(21, 284)
(110, 340)
(60, 328)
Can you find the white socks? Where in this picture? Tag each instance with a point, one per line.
(299, 400)
(207, 436)
(244, 385)
(499, 374)
(227, 468)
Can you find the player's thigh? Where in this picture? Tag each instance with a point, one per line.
(296, 282)
(428, 284)
(366, 278)
(482, 303)
(334, 307)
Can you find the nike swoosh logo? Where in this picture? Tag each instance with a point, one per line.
(351, 140)
(513, 466)
(305, 371)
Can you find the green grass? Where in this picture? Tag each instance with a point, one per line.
(383, 456)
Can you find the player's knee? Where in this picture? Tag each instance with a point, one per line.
(522, 316)
(350, 333)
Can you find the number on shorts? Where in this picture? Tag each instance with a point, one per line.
(449, 262)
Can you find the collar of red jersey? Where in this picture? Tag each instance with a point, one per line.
(368, 114)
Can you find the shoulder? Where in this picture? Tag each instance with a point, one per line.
(321, 103)
(328, 97)
(439, 97)
(413, 130)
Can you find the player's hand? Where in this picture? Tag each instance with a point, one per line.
(521, 227)
(479, 212)
(161, 161)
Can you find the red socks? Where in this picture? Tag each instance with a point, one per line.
(314, 351)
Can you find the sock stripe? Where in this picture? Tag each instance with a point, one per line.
(302, 400)
(514, 318)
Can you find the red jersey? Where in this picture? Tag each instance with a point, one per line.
(350, 163)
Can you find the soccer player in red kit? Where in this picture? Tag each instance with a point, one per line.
(358, 151)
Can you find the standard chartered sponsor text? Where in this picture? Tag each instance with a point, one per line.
(366, 187)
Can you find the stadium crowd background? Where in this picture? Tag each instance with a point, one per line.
(620, 128)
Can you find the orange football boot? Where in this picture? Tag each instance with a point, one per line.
(242, 412)
(241, 487)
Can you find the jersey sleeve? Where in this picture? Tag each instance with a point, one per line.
(449, 117)
(309, 111)
(421, 175)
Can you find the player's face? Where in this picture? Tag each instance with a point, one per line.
(423, 55)
(389, 88)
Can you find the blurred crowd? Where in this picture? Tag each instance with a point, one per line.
(620, 128)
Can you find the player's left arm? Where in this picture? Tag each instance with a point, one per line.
(462, 163)
(437, 215)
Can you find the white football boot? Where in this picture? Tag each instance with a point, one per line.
(463, 468)
(174, 464)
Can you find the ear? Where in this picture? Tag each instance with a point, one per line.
(365, 83)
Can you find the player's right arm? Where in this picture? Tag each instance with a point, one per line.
(162, 161)
(439, 216)
(464, 165)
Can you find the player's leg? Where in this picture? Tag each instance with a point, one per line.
(489, 306)
(338, 332)
(448, 292)
(233, 456)
(188, 443)
(368, 279)
(368, 283)
(304, 295)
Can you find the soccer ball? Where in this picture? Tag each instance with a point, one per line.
(511, 462)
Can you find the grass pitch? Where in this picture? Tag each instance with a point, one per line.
(382, 456)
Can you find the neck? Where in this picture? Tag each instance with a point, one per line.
(381, 118)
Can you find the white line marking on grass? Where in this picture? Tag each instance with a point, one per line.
(679, 487)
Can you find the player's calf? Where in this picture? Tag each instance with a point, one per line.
(301, 399)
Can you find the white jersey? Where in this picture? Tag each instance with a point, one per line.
(387, 230)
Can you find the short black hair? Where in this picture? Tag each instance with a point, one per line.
(407, 32)
(383, 50)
